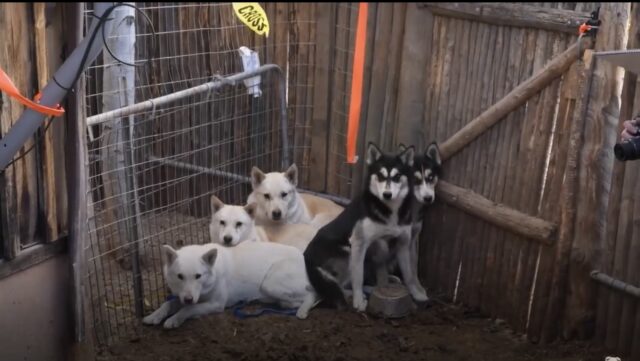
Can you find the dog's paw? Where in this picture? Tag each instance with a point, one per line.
(419, 294)
(360, 303)
(173, 322)
(154, 318)
(302, 314)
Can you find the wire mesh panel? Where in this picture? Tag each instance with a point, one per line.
(152, 172)
(339, 172)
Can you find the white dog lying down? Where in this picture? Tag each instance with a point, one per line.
(231, 225)
(208, 278)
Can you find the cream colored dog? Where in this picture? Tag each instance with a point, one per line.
(278, 201)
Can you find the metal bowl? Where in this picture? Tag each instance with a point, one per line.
(390, 301)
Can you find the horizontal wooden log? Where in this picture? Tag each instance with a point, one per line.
(518, 96)
(528, 16)
(615, 284)
(497, 214)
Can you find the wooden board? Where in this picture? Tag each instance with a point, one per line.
(20, 188)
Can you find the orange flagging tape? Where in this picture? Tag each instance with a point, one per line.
(7, 86)
(356, 83)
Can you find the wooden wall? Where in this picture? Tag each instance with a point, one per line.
(33, 189)
(618, 314)
(430, 70)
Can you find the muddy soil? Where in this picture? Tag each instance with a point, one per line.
(440, 332)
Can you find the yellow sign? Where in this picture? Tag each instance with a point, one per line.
(253, 16)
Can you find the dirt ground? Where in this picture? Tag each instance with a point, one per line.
(440, 332)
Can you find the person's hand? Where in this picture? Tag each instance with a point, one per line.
(631, 129)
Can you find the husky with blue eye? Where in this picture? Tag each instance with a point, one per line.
(381, 214)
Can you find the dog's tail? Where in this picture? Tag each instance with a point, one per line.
(325, 284)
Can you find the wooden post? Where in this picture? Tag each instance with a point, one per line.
(77, 178)
(497, 214)
(113, 137)
(620, 225)
(571, 93)
(594, 173)
(552, 310)
(384, 64)
(527, 16)
(411, 90)
(513, 100)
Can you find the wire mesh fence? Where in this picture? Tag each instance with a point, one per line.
(339, 173)
(152, 172)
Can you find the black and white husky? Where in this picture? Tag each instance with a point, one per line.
(427, 169)
(381, 214)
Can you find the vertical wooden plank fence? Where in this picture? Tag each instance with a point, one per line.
(531, 200)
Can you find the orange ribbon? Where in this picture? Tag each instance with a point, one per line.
(356, 83)
(7, 86)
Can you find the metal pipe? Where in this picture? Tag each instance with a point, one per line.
(616, 284)
(134, 208)
(53, 93)
(215, 84)
(196, 168)
(203, 88)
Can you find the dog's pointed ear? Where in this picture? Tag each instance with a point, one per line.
(407, 156)
(251, 210)
(292, 174)
(433, 152)
(216, 204)
(373, 153)
(257, 176)
(169, 254)
(210, 256)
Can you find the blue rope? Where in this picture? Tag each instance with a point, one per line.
(239, 313)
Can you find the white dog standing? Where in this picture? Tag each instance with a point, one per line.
(209, 278)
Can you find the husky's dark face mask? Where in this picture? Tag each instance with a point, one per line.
(427, 169)
(389, 174)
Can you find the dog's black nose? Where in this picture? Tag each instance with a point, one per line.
(227, 239)
(188, 300)
(428, 199)
(276, 215)
(386, 195)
